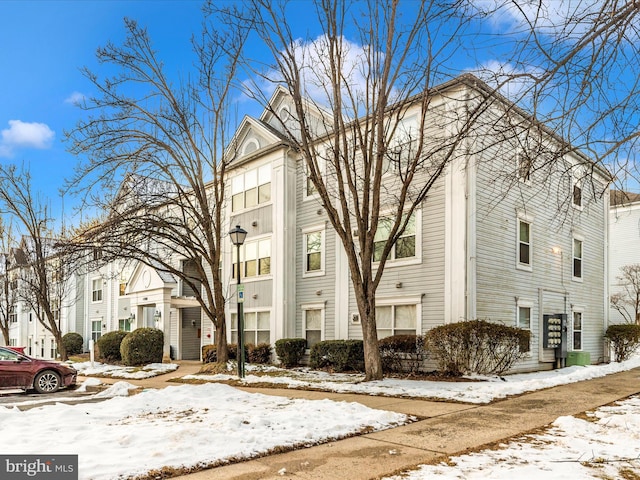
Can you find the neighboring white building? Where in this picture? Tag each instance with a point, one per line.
(624, 240)
(494, 240)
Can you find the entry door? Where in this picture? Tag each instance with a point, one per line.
(191, 331)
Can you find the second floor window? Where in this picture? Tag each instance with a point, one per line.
(524, 243)
(251, 188)
(255, 258)
(13, 315)
(96, 290)
(313, 252)
(405, 246)
(577, 258)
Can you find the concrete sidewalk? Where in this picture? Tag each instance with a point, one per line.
(447, 429)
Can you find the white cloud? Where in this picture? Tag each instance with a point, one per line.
(76, 98)
(512, 82)
(25, 135)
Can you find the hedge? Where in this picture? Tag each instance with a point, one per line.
(290, 351)
(73, 343)
(402, 353)
(338, 355)
(624, 339)
(108, 346)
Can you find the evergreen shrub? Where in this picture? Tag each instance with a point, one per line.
(402, 353)
(73, 343)
(290, 351)
(338, 355)
(109, 346)
(142, 346)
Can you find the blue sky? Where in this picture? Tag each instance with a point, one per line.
(43, 46)
(44, 43)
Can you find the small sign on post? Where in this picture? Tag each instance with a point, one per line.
(240, 293)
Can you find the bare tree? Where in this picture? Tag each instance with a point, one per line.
(360, 111)
(576, 63)
(42, 271)
(165, 143)
(8, 288)
(627, 301)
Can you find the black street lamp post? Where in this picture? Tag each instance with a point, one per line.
(238, 236)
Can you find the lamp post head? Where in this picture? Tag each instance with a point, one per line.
(238, 234)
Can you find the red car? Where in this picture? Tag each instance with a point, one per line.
(45, 376)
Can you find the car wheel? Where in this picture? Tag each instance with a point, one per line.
(46, 382)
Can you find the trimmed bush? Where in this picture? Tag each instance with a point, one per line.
(290, 351)
(624, 340)
(109, 346)
(142, 346)
(73, 343)
(260, 353)
(476, 346)
(402, 353)
(338, 355)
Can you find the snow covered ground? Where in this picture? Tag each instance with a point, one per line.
(604, 446)
(208, 424)
(484, 391)
(181, 426)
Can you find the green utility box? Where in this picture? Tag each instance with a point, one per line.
(578, 358)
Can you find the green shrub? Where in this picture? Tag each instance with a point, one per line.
(624, 340)
(209, 353)
(260, 353)
(402, 353)
(108, 346)
(73, 343)
(142, 346)
(476, 346)
(338, 355)
(290, 351)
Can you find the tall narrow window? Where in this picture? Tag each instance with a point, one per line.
(577, 194)
(524, 321)
(312, 326)
(96, 290)
(577, 258)
(524, 243)
(313, 252)
(96, 329)
(577, 330)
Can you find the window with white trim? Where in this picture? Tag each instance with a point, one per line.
(312, 320)
(576, 194)
(255, 258)
(96, 290)
(313, 251)
(124, 324)
(96, 329)
(524, 259)
(523, 318)
(576, 328)
(406, 245)
(577, 259)
(310, 188)
(53, 348)
(257, 327)
(13, 314)
(251, 188)
(396, 320)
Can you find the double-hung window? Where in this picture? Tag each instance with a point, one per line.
(577, 330)
(313, 251)
(312, 320)
(96, 290)
(577, 259)
(524, 260)
(406, 246)
(396, 319)
(576, 194)
(523, 319)
(255, 258)
(251, 188)
(257, 327)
